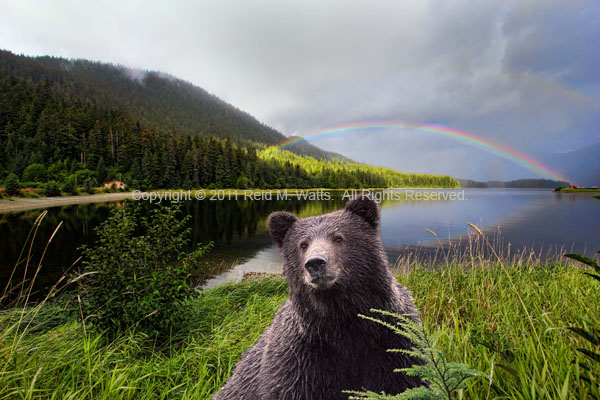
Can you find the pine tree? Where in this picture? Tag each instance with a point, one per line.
(95, 143)
(170, 177)
(101, 170)
(136, 172)
(187, 169)
(12, 186)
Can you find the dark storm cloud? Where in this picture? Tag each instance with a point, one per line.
(559, 42)
(521, 73)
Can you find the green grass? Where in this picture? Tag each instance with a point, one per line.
(457, 304)
(581, 190)
(55, 358)
(68, 362)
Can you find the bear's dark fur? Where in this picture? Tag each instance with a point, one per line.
(317, 346)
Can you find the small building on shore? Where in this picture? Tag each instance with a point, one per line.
(115, 184)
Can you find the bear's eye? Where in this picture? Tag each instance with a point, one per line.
(338, 239)
(304, 245)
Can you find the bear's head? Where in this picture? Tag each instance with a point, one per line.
(336, 252)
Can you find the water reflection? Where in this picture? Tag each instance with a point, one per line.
(239, 230)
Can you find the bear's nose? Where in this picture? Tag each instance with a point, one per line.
(315, 265)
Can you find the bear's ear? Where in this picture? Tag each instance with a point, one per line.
(279, 223)
(366, 208)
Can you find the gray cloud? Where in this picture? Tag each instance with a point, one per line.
(522, 73)
(557, 41)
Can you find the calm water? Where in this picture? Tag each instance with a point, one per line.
(538, 218)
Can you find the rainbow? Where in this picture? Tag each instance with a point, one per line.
(462, 137)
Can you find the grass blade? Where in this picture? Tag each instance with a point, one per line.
(589, 336)
(584, 260)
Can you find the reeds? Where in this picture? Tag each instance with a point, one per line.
(476, 249)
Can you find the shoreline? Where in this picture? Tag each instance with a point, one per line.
(584, 191)
(26, 204)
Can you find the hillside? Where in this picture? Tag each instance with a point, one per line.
(582, 166)
(357, 175)
(152, 98)
(57, 126)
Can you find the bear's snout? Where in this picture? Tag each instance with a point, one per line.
(319, 272)
(315, 265)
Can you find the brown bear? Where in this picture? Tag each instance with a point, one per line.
(317, 346)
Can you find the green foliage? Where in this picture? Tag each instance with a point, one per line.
(591, 335)
(34, 173)
(58, 170)
(443, 377)
(344, 174)
(70, 186)
(137, 276)
(114, 128)
(86, 174)
(66, 361)
(88, 186)
(493, 342)
(154, 100)
(12, 186)
(459, 304)
(101, 170)
(51, 189)
(63, 362)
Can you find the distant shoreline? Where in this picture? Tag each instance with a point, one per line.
(25, 204)
(583, 190)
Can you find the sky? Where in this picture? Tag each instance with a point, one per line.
(521, 73)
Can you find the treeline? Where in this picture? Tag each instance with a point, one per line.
(354, 175)
(515, 184)
(46, 136)
(153, 98)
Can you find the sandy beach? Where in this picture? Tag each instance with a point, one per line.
(47, 202)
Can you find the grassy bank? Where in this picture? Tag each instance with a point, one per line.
(474, 315)
(581, 190)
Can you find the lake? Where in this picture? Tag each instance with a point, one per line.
(541, 219)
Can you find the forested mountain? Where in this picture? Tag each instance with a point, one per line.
(152, 98)
(56, 127)
(356, 175)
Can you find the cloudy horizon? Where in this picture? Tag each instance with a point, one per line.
(520, 73)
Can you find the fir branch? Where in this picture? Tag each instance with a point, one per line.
(443, 378)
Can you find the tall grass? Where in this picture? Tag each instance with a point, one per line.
(471, 313)
(477, 319)
(476, 249)
(505, 316)
(68, 362)
(507, 313)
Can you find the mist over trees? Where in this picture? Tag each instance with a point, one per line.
(152, 98)
(53, 129)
